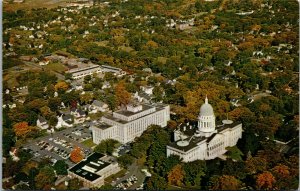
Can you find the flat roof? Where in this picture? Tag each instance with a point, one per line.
(130, 113)
(110, 116)
(102, 125)
(88, 168)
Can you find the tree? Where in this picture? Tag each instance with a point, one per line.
(106, 146)
(87, 79)
(61, 167)
(61, 86)
(76, 155)
(265, 180)
(53, 120)
(156, 182)
(45, 177)
(54, 103)
(194, 172)
(75, 184)
(86, 98)
(122, 95)
(21, 129)
(225, 182)
(234, 153)
(176, 175)
(125, 160)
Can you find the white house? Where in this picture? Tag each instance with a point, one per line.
(42, 123)
(79, 115)
(64, 121)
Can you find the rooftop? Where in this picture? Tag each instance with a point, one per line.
(130, 113)
(89, 167)
(102, 125)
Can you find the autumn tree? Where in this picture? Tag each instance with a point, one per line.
(176, 175)
(224, 182)
(122, 95)
(76, 155)
(21, 129)
(156, 182)
(61, 86)
(45, 177)
(265, 180)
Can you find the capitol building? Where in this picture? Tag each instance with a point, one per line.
(126, 124)
(206, 140)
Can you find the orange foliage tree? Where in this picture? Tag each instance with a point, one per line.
(76, 155)
(176, 175)
(21, 129)
(122, 95)
(225, 182)
(265, 180)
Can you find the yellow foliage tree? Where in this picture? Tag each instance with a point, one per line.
(61, 86)
(176, 175)
(122, 95)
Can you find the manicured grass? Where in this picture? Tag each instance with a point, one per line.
(115, 176)
(57, 67)
(89, 143)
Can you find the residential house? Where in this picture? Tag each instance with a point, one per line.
(79, 115)
(42, 123)
(65, 120)
(99, 106)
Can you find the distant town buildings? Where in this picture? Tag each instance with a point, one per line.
(124, 125)
(207, 140)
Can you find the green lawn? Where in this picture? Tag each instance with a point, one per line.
(89, 143)
(57, 67)
(115, 176)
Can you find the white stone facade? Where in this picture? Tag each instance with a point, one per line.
(208, 140)
(125, 125)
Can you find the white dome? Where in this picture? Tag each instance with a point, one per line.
(206, 109)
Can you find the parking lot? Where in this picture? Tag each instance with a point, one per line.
(59, 145)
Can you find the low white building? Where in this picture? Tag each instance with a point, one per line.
(125, 125)
(206, 141)
(90, 69)
(94, 169)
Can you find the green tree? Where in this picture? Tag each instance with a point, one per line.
(234, 153)
(61, 167)
(125, 160)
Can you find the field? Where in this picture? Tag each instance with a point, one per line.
(57, 67)
(33, 4)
